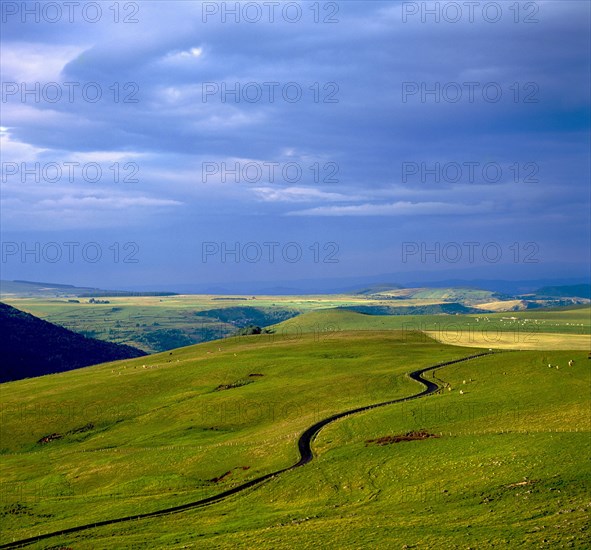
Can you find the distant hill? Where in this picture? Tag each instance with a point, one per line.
(32, 347)
(37, 283)
(244, 316)
(379, 288)
(455, 294)
(36, 289)
(568, 291)
(123, 294)
(433, 309)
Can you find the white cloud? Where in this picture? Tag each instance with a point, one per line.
(104, 156)
(113, 202)
(177, 56)
(79, 211)
(18, 115)
(17, 151)
(401, 208)
(299, 194)
(30, 63)
(35, 159)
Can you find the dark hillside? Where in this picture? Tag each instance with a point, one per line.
(32, 347)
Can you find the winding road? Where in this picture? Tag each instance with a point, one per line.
(304, 447)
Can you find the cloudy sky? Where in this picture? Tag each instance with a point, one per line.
(160, 143)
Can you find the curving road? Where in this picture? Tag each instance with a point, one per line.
(304, 447)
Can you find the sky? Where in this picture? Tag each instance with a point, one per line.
(154, 144)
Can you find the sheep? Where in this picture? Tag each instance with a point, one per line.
(571, 363)
(461, 392)
(549, 366)
(448, 388)
(464, 382)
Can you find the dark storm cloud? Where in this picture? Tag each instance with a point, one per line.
(371, 54)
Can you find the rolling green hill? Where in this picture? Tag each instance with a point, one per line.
(524, 326)
(432, 309)
(156, 324)
(505, 462)
(161, 323)
(464, 295)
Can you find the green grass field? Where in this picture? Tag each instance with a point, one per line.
(560, 329)
(509, 466)
(162, 323)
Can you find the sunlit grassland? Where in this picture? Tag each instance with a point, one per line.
(136, 320)
(141, 321)
(510, 467)
(523, 327)
(509, 340)
(137, 439)
(161, 323)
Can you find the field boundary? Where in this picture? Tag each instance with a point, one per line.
(304, 447)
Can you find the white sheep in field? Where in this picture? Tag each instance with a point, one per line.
(463, 382)
(461, 392)
(571, 363)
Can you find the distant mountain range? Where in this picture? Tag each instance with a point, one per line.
(544, 288)
(351, 285)
(32, 347)
(580, 291)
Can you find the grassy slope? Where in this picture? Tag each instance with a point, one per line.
(160, 434)
(32, 347)
(483, 329)
(135, 320)
(513, 341)
(511, 468)
(159, 449)
(142, 321)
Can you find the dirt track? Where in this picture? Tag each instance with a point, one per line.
(304, 447)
